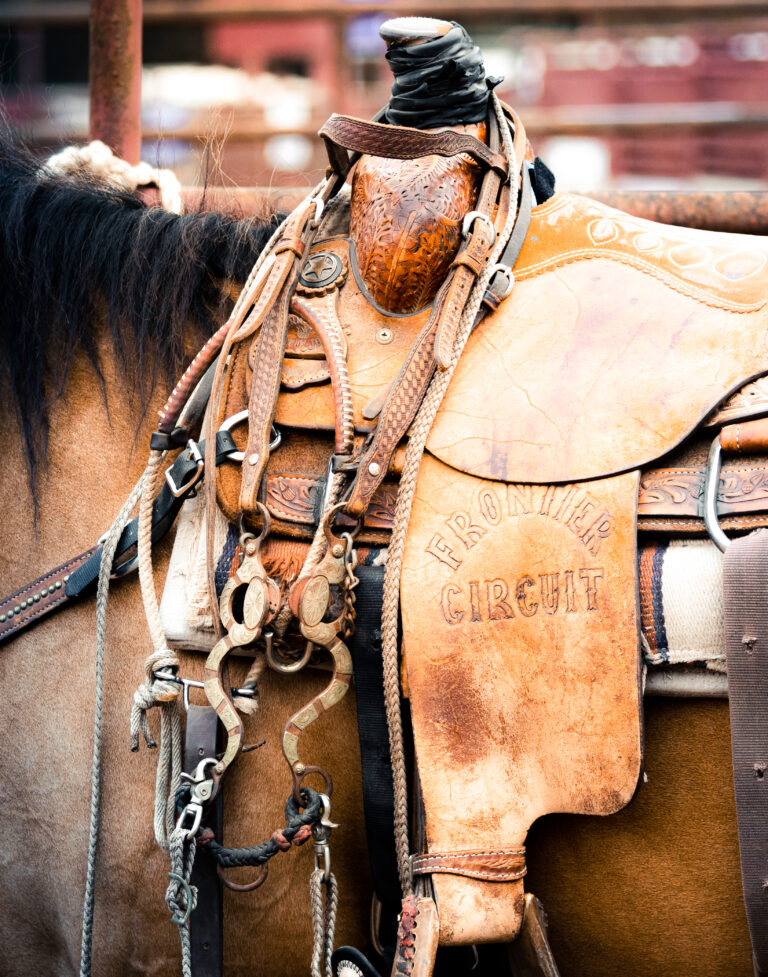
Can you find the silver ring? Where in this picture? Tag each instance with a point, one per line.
(238, 418)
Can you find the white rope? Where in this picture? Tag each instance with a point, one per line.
(105, 568)
(100, 159)
(153, 692)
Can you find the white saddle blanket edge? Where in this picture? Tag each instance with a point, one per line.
(692, 606)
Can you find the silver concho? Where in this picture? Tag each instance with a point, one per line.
(321, 269)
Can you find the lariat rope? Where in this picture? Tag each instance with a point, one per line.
(417, 440)
(105, 569)
(154, 692)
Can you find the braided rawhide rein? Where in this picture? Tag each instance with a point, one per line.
(297, 830)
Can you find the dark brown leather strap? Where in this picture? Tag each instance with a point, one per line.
(491, 866)
(402, 142)
(745, 594)
(205, 926)
(36, 599)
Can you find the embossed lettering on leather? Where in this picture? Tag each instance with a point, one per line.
(523, 668)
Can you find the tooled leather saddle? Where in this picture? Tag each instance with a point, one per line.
(576, 392)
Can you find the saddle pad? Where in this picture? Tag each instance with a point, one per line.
(619, 337)
(523, 669)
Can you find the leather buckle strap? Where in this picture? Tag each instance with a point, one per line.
(433, 346)
(343, 132)
(489, 866)
(268, 349)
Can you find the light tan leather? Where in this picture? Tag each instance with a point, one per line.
(523, 669)
(619, 337)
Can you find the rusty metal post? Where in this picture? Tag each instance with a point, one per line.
(115, 76)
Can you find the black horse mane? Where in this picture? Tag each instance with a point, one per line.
(77, 251)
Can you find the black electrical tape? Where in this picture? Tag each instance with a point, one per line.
(440, 82)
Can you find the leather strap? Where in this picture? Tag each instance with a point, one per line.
(490, 866)
(745, 594)
(470, 261)
(402, 142)
(267, 353)
(206, 922)
(417, 937)
(746, 437)
(77, 576)
(34, 600)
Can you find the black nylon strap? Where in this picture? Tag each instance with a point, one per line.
(378, 790)
(745, 594)
(164, 511)
(205, 929)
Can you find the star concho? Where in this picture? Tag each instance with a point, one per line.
(323, 272)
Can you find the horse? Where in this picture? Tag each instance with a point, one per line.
(104, 299)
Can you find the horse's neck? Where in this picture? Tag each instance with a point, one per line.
(97, 450)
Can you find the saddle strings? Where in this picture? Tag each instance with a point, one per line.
(414, 451)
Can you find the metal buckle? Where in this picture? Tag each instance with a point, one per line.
(194, 455)
(711, 490)
(507, 272)
(238, 418)
(470, 219)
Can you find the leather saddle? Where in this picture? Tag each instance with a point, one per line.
(578, 393)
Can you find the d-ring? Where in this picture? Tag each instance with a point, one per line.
(180, 918)
(238, 418)
(243, 886)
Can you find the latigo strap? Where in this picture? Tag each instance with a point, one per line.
(745, 594)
